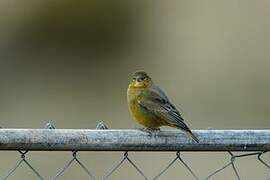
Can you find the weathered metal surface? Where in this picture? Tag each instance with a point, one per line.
(133, 140)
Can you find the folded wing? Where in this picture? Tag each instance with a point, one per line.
(157, 103)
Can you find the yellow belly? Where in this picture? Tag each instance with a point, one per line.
(145, 118)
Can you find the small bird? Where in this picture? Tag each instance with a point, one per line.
(149, 105)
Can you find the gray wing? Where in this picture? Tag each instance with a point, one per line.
(157, 90)
(155, 101)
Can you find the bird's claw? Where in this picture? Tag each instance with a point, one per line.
(150, 130)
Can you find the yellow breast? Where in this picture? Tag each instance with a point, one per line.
(142, 115)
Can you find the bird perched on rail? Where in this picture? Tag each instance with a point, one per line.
(150, 106)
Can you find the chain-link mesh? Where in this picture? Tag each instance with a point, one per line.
(74, 159)
(127, 160)
(19, 163)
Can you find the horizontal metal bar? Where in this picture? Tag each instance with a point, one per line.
(133, 140)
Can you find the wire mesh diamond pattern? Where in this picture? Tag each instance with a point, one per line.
(74, 160)
(19, 163)
(117, 166)
(232, 160)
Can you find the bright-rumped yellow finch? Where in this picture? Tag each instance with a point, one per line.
(151, 107)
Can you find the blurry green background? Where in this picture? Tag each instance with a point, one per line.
(70, 61)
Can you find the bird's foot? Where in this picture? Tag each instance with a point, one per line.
(150, 130)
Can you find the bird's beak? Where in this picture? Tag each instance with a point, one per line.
(137, 84)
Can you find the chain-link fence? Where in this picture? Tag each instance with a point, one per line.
(26, 140)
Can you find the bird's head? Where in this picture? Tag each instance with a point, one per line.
(140, 80)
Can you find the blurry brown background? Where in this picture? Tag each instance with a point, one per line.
(70, 61)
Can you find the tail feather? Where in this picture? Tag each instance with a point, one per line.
(192, 136)
(187, 131)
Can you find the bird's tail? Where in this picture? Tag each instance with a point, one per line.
(192, 136)
(187, 131)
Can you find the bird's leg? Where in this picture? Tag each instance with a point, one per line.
(150, 131)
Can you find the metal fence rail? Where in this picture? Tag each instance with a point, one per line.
(133, 140)
(75, 140)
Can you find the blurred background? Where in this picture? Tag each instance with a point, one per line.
(70, 61)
